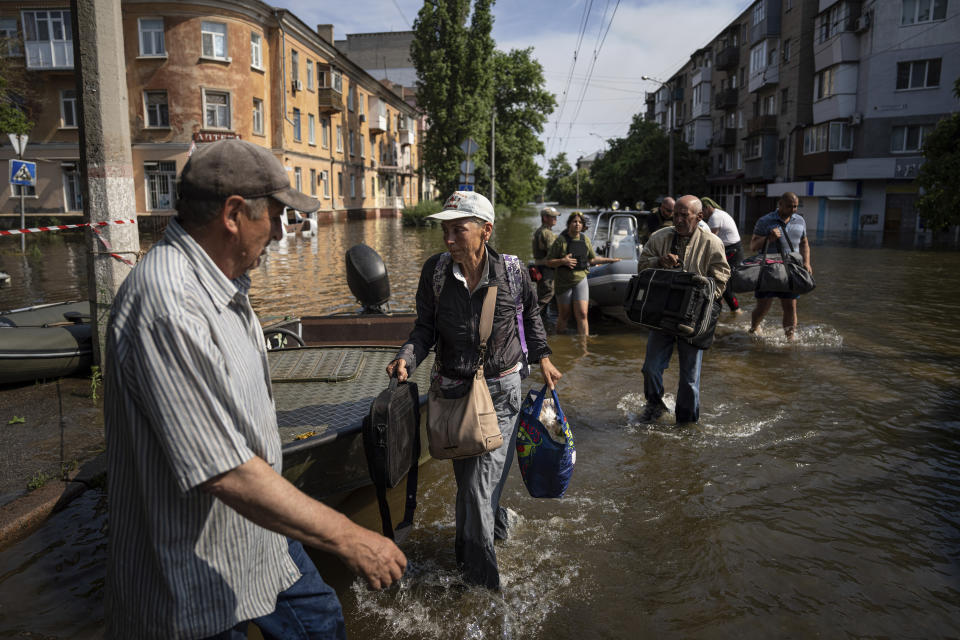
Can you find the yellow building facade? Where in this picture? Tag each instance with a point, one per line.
(201, 71)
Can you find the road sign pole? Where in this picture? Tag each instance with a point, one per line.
(23, 217)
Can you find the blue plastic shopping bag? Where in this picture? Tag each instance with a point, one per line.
(545, 464)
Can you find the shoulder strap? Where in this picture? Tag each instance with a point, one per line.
(783, 232)
(515, 282)
(486, 315)
(675, 247)
(440, 275)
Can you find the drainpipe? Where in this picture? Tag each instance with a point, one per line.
(283, 73)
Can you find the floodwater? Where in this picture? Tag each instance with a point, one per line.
(818, 497)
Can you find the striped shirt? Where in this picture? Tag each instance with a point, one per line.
(188, 397)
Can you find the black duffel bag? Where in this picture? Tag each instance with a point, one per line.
(782, 273)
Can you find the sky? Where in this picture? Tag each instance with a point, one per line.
(622, 41)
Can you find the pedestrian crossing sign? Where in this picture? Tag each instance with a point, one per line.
(23, 173)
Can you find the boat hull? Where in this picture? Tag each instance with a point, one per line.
(609, 283)
(40, 342)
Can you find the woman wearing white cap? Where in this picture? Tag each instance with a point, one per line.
(449, 300)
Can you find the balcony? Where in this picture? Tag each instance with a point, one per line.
(762, 124)
(725, 137)
(726, 99)
(842, 47)
(701, 109)
(405, 137)
(703, 74)
(728, 58)
(378, 123)
(765, 77)
(329, 100)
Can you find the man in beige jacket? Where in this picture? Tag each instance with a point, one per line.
(700, 252)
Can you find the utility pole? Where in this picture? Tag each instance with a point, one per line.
(105, 156)
(578, 180)
(493, 159)
(673, 111)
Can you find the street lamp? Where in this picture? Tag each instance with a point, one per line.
(601, 137)
(669, 138)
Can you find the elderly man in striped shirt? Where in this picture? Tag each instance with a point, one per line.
(205, 534)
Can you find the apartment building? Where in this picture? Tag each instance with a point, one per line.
(203, 70)
(829, 99)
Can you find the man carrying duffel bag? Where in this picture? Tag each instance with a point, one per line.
(700, 252)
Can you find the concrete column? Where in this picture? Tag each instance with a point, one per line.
(105, 155)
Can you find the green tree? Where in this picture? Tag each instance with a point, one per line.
(565, 191)
(940, 202)
(558, 169)
(454, 67)
(16, 96)
(635, 167)
(522, 105)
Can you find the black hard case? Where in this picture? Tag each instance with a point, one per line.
(673, 301)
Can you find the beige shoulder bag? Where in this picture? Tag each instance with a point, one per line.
(467, 426)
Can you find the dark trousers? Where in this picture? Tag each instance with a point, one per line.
(308, 610)
(734, 257)
(545, 292)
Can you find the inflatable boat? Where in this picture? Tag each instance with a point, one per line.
(45, 341)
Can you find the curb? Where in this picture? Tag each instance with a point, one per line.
(21, 517)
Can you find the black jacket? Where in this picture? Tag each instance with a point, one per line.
(453, 325)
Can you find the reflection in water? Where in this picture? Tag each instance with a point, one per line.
(818, 495)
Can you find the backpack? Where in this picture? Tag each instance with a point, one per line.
(514, 283)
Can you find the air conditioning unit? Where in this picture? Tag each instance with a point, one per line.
(863, 23)
(856, 119)
(298, 85)
(363, 118)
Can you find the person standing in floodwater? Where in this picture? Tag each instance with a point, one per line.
(448, 318)
(543, 239)
(788, 228)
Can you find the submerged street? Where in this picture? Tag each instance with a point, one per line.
(817, 496)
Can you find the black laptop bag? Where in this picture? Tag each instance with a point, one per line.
(391, 441)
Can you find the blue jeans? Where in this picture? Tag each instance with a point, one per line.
(480, 482)
(659, 350)
(309, 609)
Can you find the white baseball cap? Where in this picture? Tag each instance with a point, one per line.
(465, 204)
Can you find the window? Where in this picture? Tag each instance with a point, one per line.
(786, 50)
(325, 178)
(769, 107)
(213, 40)
(28, 191)
(340, 138)
(325, 133)
(363, 146)
(311, 128)
(216, 107)
(298, 178)
(72, 192)
(294, 66)
(739, 159)
(310, 75)
(258, 116)
(360, 103)
(296, 125)
(68, 108)
(918, 74)
(313, 182)
(363, 187)
(161, 179)
(353, 186)
(841, 137)
(784, 95)
(48, 39)
(321, 78)
(759, 12)
(256, 51)
(9, 38)
(758, 57)
(155, 103)
(752, 149)
(909, 138)
(832, 21)
(337, 78)
(151, 37)
(917, 11)
(350, 139)
(823, 84)
(340, 183)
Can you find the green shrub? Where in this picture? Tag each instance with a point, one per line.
(416, 216)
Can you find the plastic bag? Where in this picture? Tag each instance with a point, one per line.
(545, 451)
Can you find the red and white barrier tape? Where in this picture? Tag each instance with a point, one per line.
(61, 227)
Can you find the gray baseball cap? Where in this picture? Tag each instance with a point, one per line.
(235, 167)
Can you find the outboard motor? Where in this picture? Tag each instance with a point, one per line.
(367, 277)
